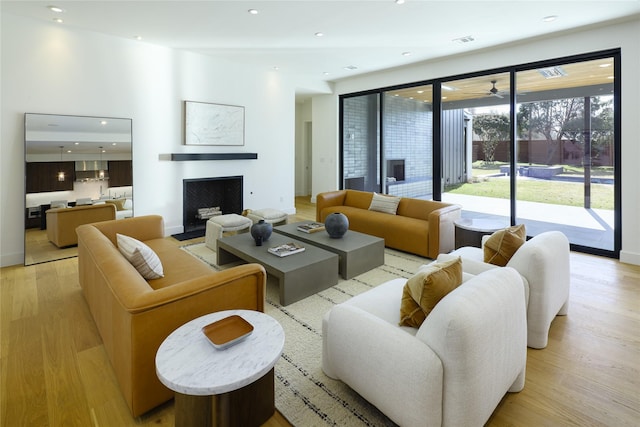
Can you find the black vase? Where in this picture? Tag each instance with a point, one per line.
(336, 224)
(261, 231)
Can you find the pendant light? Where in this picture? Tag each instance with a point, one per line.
(101, 172)
(61, 172)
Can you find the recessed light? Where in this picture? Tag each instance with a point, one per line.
(114, 144)
(319, 34)
(103, 122)
(137, 37)
(76, 143)
(550, 18)
(55, 9)
(420, 91)
(406, 53)
(351, 67)
(253, 11)
(58, 20)
(276, 68)
(326, 73)
(605, 65)
(399, 1)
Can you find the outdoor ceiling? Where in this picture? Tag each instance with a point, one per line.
(597, 75)
(358, 36)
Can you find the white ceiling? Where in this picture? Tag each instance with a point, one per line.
(368, 34)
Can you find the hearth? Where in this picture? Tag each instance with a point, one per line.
(204, 196)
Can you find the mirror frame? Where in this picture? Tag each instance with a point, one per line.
(85, 139)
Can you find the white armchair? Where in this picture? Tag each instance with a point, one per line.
(452, 371)
(543, 261)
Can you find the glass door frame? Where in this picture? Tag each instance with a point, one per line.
(512, 70)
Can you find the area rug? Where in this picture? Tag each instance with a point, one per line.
(304, 394)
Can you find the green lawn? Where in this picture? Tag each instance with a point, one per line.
(552, 192)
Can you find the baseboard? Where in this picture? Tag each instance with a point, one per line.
(11, 259)
(630, 257)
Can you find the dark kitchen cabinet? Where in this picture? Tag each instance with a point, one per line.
(43, 176)
(120, 173)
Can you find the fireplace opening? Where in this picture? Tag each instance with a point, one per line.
(203, 198)
(395, 170)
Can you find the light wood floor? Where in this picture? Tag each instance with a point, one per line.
(54, 372)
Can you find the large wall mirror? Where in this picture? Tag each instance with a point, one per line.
(77, 169)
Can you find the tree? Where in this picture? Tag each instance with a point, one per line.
(491, 129)
(563, 119)
(549, 118)
(601, 128)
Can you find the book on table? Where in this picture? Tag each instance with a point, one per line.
(286, 249)
(311, 227)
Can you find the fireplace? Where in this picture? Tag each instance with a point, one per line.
(395, 169)
(198, 195)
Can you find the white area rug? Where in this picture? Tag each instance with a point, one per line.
(304, 394)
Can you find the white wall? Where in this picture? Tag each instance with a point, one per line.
(325, 144)
(48, 68)
(622, 35)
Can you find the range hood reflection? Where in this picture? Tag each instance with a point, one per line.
(92, 170)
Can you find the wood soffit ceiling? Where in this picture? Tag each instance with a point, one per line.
(576, 75)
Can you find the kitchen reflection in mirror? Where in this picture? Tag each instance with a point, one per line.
(78, 170)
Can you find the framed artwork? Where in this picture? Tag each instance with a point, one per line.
(213, 124)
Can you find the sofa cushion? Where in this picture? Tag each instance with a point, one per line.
(141, 256)
(384, 203)
(426, 288)
(118, 202)
(501, 245)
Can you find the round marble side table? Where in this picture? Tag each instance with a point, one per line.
(234, 386)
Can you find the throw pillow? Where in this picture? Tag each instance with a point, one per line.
(501, 245)
(141, 256)
(426, 288)
(384, 203)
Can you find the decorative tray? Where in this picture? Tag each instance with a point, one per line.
(228, 331)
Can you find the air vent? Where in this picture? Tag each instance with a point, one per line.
(552, 72)
(465, 39)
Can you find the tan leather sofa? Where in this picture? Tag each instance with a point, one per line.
(62, 222)
(421, 227)
(134, 315)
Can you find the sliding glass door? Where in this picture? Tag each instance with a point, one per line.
(407, 123)
(536, 144)
(387, 142)
(361, 142)
(476, 146)
(566, 164)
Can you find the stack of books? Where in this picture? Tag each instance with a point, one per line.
(286, 249)
(311, 227)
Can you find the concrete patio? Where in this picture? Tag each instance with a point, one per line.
(586, 227)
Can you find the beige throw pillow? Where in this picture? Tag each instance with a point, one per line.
(426, 288)
(384, 203)
(141, 256)
(501, 245)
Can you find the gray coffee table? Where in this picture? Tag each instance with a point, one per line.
(299, 275)
(358, 252)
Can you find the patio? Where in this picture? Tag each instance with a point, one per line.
(585, 227)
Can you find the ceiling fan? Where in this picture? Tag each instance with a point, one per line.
(494, 90)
